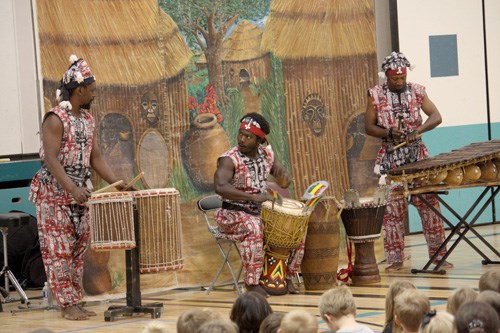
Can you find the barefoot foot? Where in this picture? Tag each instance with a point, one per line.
(396, 266)
(291, 287)
(73, 313)
(87, 312)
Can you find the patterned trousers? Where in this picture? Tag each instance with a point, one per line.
(64, 232)
(247, 229)
(394, 218)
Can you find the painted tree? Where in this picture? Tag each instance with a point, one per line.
(205, 24)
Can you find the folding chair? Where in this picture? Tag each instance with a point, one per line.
(207, 206)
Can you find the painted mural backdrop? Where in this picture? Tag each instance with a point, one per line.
(174, 78)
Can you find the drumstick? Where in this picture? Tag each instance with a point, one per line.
(402, 144)
(105, 188)
(135, 179)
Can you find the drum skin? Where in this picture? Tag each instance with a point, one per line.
(488, 171)
(471, 173)
(321, 256)
(454, 177)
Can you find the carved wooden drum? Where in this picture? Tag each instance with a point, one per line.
(363, 221)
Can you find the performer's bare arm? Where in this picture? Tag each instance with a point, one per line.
(223, 187)
(52, 132)
(280, 174)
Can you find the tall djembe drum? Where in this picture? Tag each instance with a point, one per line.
(363, 219)
(284, 228)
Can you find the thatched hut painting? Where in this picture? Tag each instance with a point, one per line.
(244, 64)
(165, 112)
(328, 53)
(243, 61)
(139, 65)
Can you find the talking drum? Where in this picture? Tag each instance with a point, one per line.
(363, 225)
(284, 229)
(111, 221)
(160, 234)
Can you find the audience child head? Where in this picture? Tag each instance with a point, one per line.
(410, 308)
(271, 323)
(459, 297)
(437, 322)
(298, 321)
(249, 310)
(492, 298)
(490, 280)
(155, 327)
(191, 320)
(338, 309)
(218, 326)
(476, 317)
(396, 288)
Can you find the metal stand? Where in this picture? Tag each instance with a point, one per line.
(6, 221)
(457, 230)
(34, 307)
(133, 285)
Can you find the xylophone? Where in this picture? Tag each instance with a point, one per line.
(475, 165)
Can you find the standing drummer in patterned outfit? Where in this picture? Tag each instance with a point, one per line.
(60, 188)
(240, 179)
(393, 114)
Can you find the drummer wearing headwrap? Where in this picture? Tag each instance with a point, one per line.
(393, 114)
(61, 187)
(241, 181)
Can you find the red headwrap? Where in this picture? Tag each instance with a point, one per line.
(399, 71)
(248, 124)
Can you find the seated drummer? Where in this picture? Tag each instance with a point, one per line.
(240, 179)
(393, 114)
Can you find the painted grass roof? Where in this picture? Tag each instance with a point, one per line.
(119, 39)
(244, 43)
(298, 29)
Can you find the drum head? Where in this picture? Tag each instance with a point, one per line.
(289, 206)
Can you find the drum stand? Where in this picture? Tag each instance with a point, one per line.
(133, 285)
(6, 221)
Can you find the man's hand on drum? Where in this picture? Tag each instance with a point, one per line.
(261, 197)
(80, 194)
(126, 187)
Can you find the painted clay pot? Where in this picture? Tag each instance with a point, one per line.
(454, 177)
(488, 171)
(202, 146)
(471, 173)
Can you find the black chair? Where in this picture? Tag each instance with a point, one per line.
(207, 206)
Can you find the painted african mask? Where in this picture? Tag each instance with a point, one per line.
(313, 113)
(150, 109)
